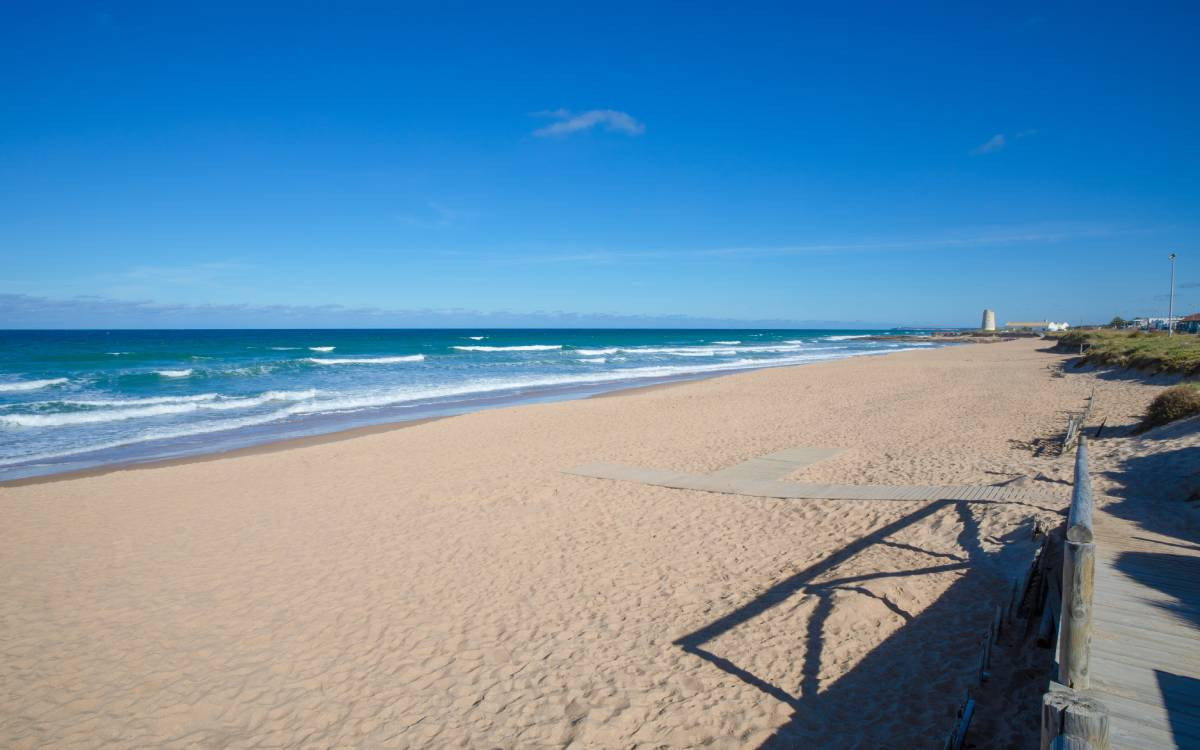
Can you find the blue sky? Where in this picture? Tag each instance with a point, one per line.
(409, 164)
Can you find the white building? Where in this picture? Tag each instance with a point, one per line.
(1037, 325)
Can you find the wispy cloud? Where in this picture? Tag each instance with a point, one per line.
(991, 145)
(196, 273)
(434, 215)
(574, 122)
(27, 311)
(1034, 234)
(999, 141)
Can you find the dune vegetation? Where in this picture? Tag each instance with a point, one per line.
(1154, 352)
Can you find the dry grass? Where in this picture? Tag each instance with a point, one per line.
(1155, 352)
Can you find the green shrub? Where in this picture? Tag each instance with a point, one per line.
(1174, 403)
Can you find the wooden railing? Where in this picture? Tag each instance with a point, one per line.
(1075, 423)
(1069, 718)
(1079, 569)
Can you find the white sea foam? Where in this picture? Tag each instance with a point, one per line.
(530, 348)
(727, 343)
(252, 370)
(705, 353)
(321, 348)
(411, 397)
(593, 360)
(30, 385)
(405, 397)
(174, 373)
(674, 351)
(847, 338)
(118, 403)
(158, 433)
(154, 410)
(366, 360)
(284, 348)
(477, 338)
(117, 354)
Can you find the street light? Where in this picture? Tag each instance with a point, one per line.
(1171, 299)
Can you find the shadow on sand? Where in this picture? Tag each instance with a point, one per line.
(904, 692)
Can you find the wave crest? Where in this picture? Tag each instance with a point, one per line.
(30, 385)
(366, 360)
(529, 348)
(156, 410)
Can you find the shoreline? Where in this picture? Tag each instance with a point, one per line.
(457, 585)
(285, 442)
(335, 436)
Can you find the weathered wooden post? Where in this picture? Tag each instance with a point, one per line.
(1079, 567)
(1073, 722)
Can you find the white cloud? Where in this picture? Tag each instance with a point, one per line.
(569, 122)
(999, 141)
(993, 144)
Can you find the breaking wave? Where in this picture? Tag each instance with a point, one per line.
(530, 348)
(366, 360)
(30, 385)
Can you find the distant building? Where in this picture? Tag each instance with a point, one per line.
(1189, 324)
(1038, 325)
(1155, 324)
(989, 320)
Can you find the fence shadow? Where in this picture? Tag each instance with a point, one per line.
(904, 692)
(1180, 694)
(1152, 490)
(1177, 576)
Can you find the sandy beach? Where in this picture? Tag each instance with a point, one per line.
(448, 584)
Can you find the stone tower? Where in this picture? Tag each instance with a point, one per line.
(989, 320)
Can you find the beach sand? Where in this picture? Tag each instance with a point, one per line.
(448, 584)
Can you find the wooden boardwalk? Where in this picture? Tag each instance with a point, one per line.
(1145, 651)
(762, 477)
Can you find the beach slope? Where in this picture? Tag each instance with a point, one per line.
(449, 584)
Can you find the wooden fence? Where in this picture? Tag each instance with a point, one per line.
(1069, 718)
(1062, 603)
(1075, 423)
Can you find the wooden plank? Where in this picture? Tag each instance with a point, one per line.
(1109, 635)
(752, 484)
(1139, 684)
(1151, 723)
(1158, 651)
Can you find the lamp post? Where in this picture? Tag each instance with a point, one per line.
(1171, 299)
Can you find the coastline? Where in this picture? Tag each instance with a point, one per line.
(283, 444)
(452, 584)
(328, 427)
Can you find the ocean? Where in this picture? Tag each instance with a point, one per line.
(80, 399)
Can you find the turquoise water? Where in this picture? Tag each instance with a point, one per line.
(77, 399)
